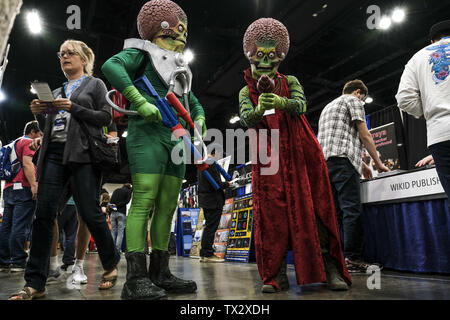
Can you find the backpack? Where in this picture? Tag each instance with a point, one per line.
(9, 163)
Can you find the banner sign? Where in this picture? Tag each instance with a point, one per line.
(420, 183)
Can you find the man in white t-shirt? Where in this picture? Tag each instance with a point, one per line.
(424, 90)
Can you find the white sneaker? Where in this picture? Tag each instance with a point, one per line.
(78, 276)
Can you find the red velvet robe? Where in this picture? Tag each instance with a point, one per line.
(285, 205)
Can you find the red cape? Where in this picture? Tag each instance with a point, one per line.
(286, 204)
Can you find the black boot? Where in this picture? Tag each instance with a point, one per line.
(281, 277)
(160, 275)
(138, 286)
(334, 279)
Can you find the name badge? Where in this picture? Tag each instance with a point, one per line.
(60, 124)
(17, 186)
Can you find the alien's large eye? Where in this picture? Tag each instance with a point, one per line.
(260, 54)
(180, 28)
(272, 55)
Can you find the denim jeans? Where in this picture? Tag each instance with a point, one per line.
(16, 225)
(345, 186)
(118, 221)
(212, 218)
(68, 223)
(441, 156)
(85, 181)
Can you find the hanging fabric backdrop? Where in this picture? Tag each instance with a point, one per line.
(411, 236)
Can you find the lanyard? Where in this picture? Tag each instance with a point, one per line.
(68, 94)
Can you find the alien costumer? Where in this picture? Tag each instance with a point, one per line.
(162, 25)
(293, 208)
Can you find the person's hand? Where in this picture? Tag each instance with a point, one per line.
(272, 101)
(62, 104)
(201, 123)
(367, 173)
(382, 168)
(149, 112)
(36, 144)
(34, 190)
(37, 106)
(427, 160)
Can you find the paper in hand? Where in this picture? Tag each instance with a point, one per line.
(45, 95)
(43, 91)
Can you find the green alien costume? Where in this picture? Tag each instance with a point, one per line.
(156, 179)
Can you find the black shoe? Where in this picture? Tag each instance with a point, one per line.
(358, 266)
(160, 275)
(138, 286)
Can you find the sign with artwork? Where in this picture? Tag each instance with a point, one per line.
(386, 143)
(197, 239)
(240, 235)
(185, 227)
(223, 230)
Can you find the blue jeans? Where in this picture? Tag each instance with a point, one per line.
(85, 182)
(68, 224)
(16, 225)
(441, 156)
(118, 221)
(345, 186)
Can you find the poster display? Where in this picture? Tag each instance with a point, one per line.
(240, 234)
(197, 239)
(223, 230)
(385, 141)
(186, 224)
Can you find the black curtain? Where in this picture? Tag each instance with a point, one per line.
(416, 139)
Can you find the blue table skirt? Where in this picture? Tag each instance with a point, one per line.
(410, 236)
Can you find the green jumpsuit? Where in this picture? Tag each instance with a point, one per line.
(156, 179)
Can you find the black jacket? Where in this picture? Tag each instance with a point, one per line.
(208, 198)
(88, 105)
(120, 198)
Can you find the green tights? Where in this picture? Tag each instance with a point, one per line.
(150, 190)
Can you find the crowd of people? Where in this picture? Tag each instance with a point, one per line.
(313, 200)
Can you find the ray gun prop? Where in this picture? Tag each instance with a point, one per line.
(170, 119)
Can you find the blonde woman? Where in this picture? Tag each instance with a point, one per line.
(64, 157)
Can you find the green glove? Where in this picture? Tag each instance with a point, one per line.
(271, 101)
(147, 110)
(200, 121)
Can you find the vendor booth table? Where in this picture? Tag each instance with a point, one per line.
(406, 221)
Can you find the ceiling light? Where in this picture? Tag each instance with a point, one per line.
(188, 56)
(398, 15)
(34, 22)
(369, 99)
(234, 119)
(385, 23)
(2, 96)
